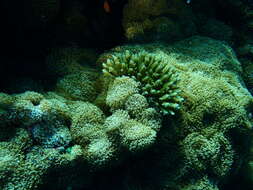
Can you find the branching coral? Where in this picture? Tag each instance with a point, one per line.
(45, 134)
(157, 77)
(198, 150)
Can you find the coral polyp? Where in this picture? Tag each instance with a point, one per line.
(157, 77)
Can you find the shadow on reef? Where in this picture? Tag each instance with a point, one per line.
(29, 29)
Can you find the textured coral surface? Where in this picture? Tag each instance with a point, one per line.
(126, 95)
(94, 128)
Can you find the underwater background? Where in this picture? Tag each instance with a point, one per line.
(126, 95)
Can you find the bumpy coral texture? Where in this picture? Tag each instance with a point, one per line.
(246, 57)
(211, 154)
(217, 111)
(202, 184)
(131, 127)
(45, 134)
(155, 19)
(79, 86)
(62, 61)
(158, 79)
(138, 10)
(100, 139)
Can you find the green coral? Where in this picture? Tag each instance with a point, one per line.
(157, 77)
(197, 151)
(116, 96)
(32, 139)
(55, 122)
(63, 61)
(129, 128)
(79, 86)
(152, 20)
(201, 184)
(205, 137)
(210, 152)
(24, 170)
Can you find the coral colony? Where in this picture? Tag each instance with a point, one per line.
(127, 95)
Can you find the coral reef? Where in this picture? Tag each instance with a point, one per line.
(203, 183)
(210, 154)
(125, 94)
(196, 149)
(62, 61)
(104, 138)
(82, 85)
(52, 124)
(245, 53)
(145, 20)
(156, 75)
(217, 30)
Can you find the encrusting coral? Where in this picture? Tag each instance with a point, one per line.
(62, 61)
(113, 129)
(245, 54)
(200, 148)
(216, 104)
(157, 78)
(211, 154)
(148, 20)
(54, 122)
(201, 184)
(79, 86)
(129, 128)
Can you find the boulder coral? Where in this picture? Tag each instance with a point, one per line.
(46, 119)
(24, 170)
(51, 138)
(102, 138)
(62, 61)
(153, 19)
(202, 184)
(56, 123)
(245, 53)
(202, 145)
(81, 85)
(212, 154)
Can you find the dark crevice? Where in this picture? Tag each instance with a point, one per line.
(25, 45)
